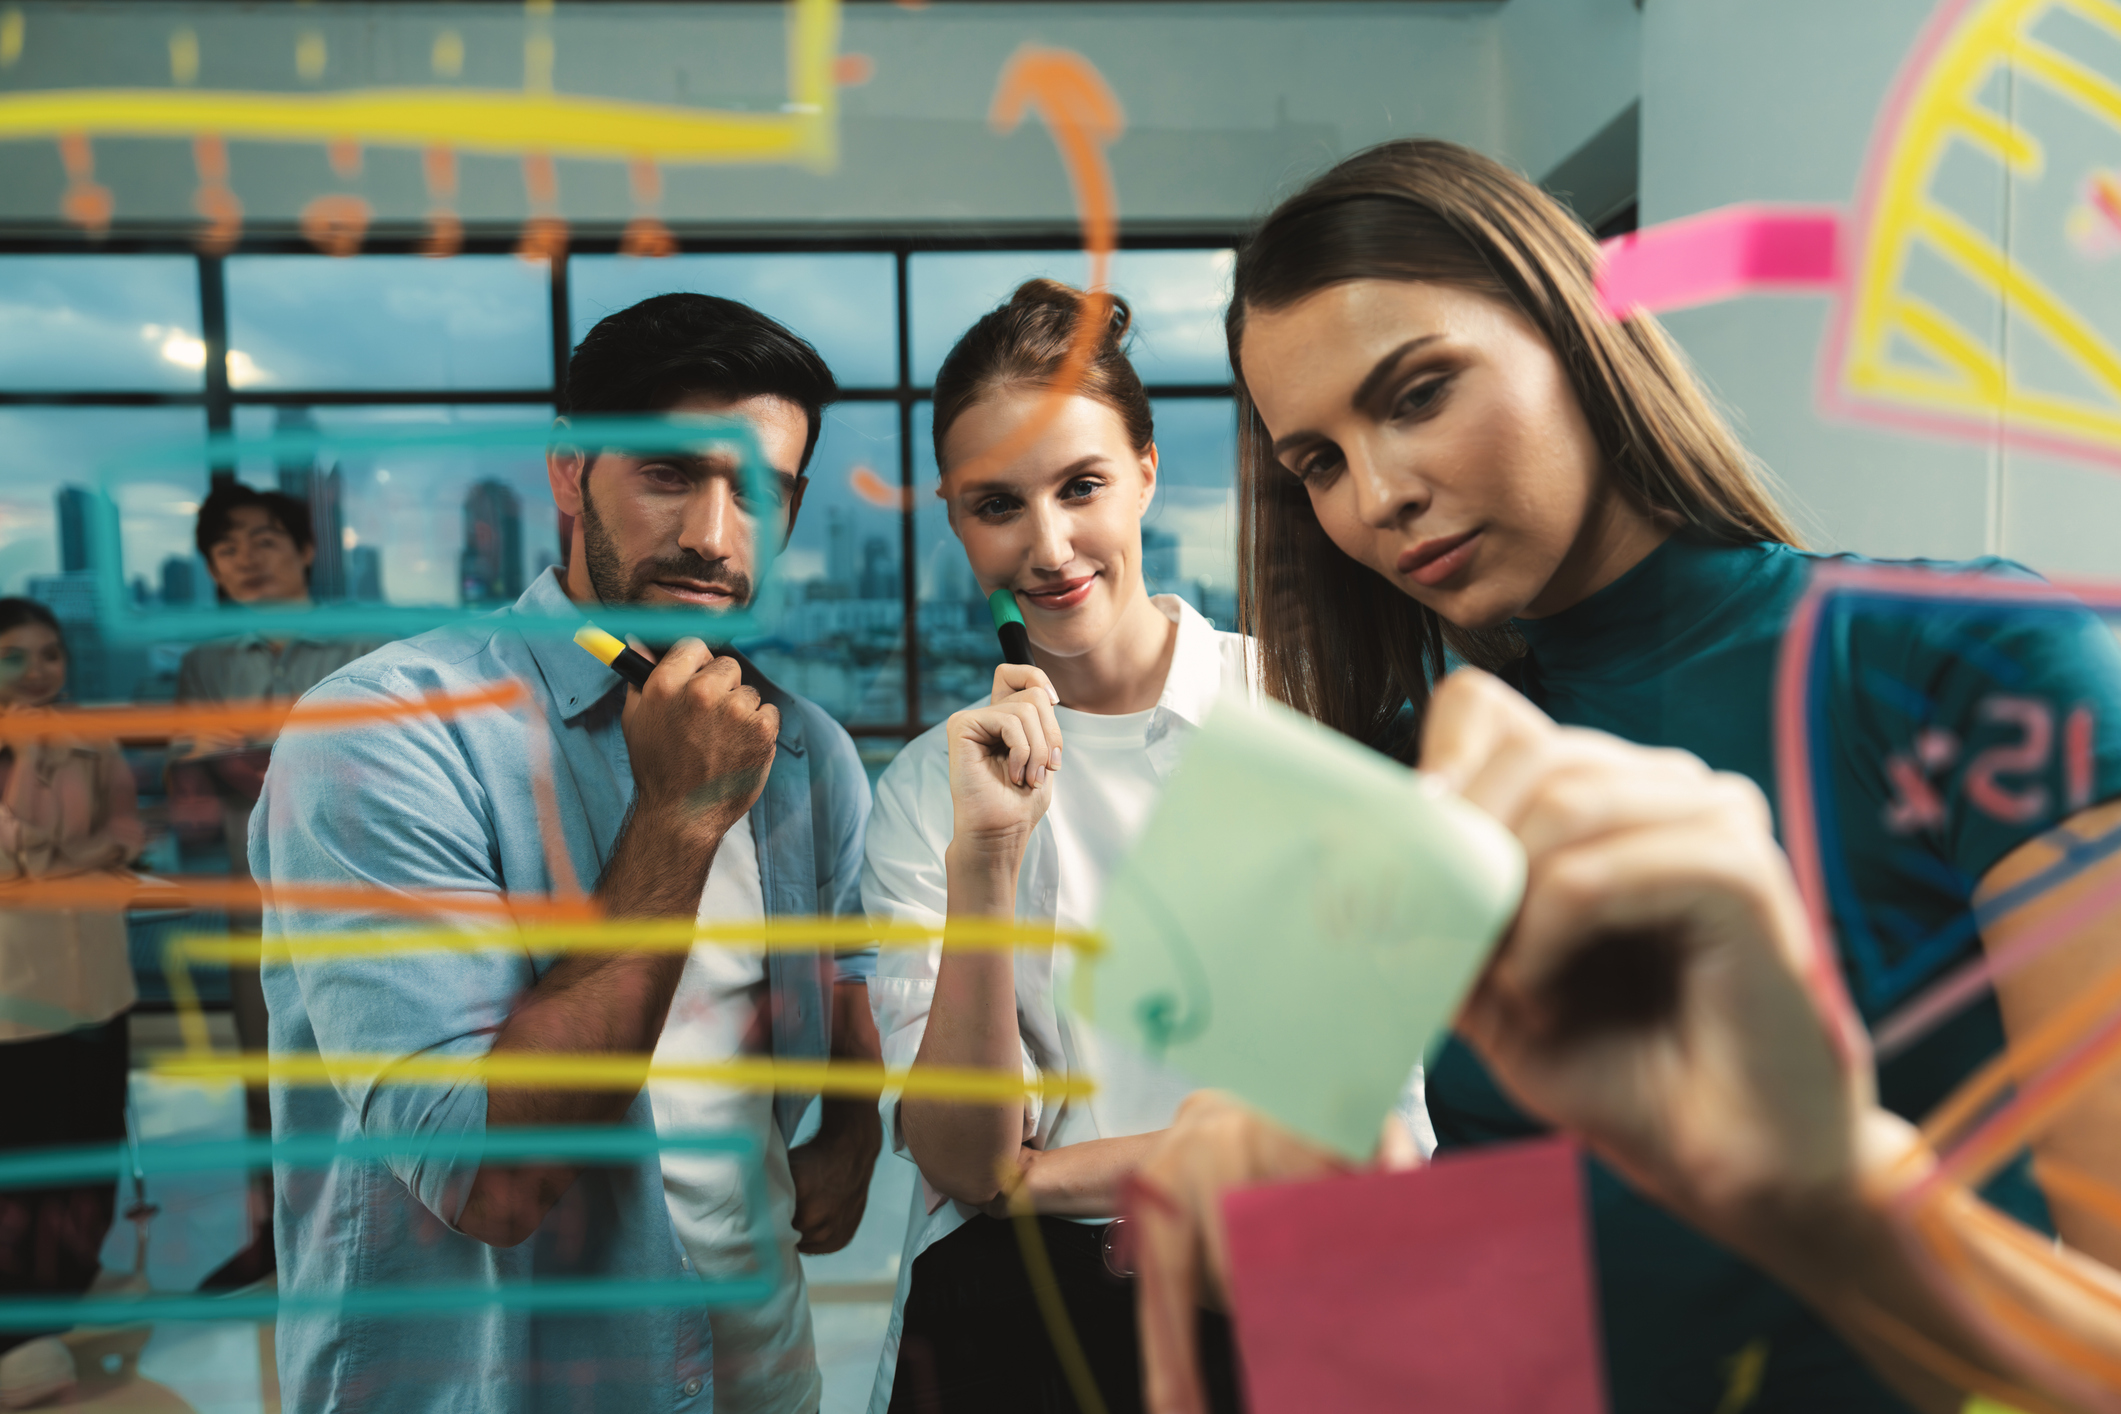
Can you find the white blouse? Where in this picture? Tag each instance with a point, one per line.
(1087, 827)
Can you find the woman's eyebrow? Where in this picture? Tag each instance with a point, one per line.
(1015, 488)
(1079, 466)
(1365, 392)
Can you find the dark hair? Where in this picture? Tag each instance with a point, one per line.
(1024, 344)
(649, 357)
(217, 519)
(16, 613)
(1336, 640)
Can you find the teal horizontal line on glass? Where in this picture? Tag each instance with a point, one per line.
(574, 1143)
(567, 1294)
(48, 1167)
(121, 624)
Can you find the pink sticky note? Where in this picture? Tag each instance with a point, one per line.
(1720, 254)
(1464, 1286)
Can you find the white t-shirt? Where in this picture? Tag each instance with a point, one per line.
(1102, 796)
(765, 1360)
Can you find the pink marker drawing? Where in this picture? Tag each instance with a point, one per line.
(1718, 255)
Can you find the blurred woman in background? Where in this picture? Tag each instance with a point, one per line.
(67, 810)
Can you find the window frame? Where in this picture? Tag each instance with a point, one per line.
(219, 400)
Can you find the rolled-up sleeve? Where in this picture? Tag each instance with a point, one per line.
(903, 881)
(391, 808)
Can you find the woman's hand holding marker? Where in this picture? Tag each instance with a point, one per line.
(1002, 760)
(1651, 997)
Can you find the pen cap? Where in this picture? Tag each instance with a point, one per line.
(601, 645)
(1002, 604)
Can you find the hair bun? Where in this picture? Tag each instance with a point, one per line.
(1028, 343)
(1041, 294)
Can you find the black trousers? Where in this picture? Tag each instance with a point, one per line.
(58, 1091)
(973, 1341)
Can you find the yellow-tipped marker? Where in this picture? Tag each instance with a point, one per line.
(614, 654)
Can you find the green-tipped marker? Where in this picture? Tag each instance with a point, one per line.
(1009, 627)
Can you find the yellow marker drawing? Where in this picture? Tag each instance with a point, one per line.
(183, 56)
(447, 58)
(501, 121)
(625, 1072)
(1958, 381)
(1746, 1368)
(627, 935)
(638, 935)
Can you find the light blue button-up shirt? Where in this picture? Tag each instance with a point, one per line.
(450, 806)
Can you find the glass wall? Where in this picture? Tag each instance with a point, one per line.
(105, 383)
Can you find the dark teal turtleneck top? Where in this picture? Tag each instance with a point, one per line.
(1939, 740)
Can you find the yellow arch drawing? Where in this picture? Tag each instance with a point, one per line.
(1961, 382)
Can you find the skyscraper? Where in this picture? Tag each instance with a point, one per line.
(324, 491)
(364, 574)
(840, 566)
(180, 581)
(74, 596)
(879, 569)
(492, 566)
(76, 524)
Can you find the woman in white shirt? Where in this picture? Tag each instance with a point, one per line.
(980, 818)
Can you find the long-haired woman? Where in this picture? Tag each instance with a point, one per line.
(1020, 807)
(67, 810)
(1450, 454)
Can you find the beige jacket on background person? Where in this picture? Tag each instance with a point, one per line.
(67, 808)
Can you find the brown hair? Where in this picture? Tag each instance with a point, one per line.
(1023, 345)
(1338, 641)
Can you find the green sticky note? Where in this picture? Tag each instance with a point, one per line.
(1297, 924)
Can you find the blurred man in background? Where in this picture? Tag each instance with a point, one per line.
(259, 548)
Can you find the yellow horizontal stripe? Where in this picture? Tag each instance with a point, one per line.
(533, 1070)
(637, 935)
(506, 121)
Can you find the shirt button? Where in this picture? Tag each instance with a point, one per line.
(692, 1387)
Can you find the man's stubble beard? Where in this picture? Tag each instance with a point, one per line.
(613, 585)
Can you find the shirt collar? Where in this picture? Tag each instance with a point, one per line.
(1196, 676)
(577, 681)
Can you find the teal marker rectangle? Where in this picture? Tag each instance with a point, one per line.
(120, 623)
(52, 1167)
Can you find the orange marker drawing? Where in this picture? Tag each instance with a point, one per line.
(336, 224)
(877, 491)
(244, 718)
(214, 201)
(1084, 117)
